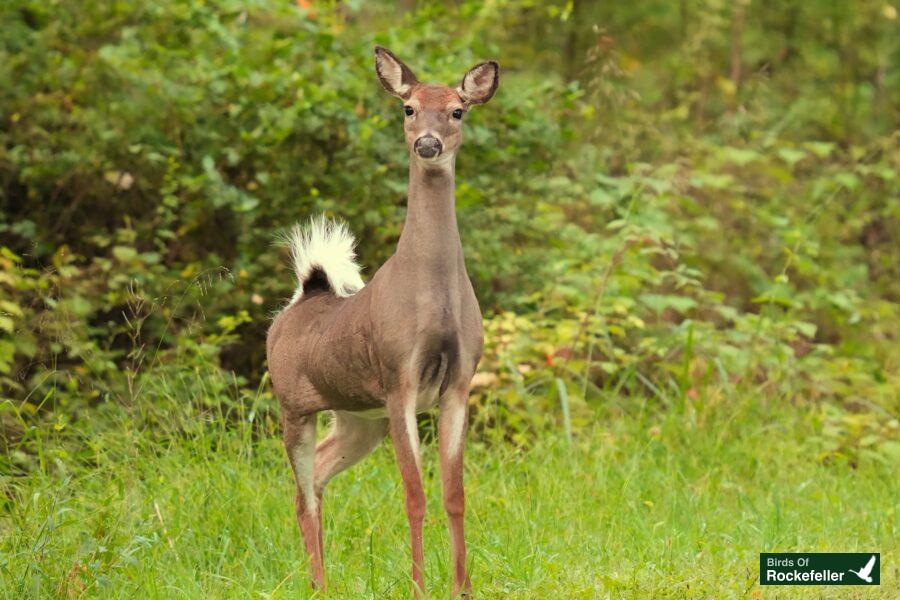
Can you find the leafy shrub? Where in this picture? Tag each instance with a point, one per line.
(641, 224)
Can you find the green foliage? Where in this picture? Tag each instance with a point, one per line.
(680, 219)
(689, 196)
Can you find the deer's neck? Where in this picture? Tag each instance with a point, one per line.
(430, 238)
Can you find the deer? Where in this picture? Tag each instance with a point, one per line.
(380, 353)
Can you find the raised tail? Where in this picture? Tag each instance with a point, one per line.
(323, 256)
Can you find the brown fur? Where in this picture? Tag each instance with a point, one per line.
(411, 338)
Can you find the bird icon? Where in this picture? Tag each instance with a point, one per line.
(864, 573)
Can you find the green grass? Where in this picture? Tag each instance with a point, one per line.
(645, 505)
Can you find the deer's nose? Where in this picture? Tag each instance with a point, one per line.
(428, 146)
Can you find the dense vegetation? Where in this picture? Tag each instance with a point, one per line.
(668, 207)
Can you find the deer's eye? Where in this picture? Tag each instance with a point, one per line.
(458, 113)
(408, 110)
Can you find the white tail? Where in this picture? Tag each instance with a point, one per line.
(325, 245)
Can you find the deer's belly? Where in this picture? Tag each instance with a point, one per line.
(372, 413)
(425, 401)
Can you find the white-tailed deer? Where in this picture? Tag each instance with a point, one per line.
(380, 353)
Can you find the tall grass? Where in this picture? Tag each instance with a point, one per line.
(641, 504)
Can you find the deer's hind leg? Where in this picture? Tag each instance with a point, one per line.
(351, 439)
(300, 442)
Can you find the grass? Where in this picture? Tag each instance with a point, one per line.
(644, 505)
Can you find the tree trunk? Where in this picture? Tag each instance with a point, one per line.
(737, 32)
(573, 64)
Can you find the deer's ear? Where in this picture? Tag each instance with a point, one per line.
(480, 83)
(396, 77)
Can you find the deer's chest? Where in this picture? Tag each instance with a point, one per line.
(448, 344)
(425, 335)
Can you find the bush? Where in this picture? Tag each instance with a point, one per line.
(640, 224)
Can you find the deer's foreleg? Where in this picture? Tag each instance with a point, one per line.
(451, 439)
(300, 442)
(405, 435)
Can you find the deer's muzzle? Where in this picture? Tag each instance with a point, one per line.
(428, 146)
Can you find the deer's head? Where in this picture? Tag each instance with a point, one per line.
(434, 113)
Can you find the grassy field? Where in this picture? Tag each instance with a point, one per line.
(677, 505)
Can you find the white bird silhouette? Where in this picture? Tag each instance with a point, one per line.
(864, 572)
